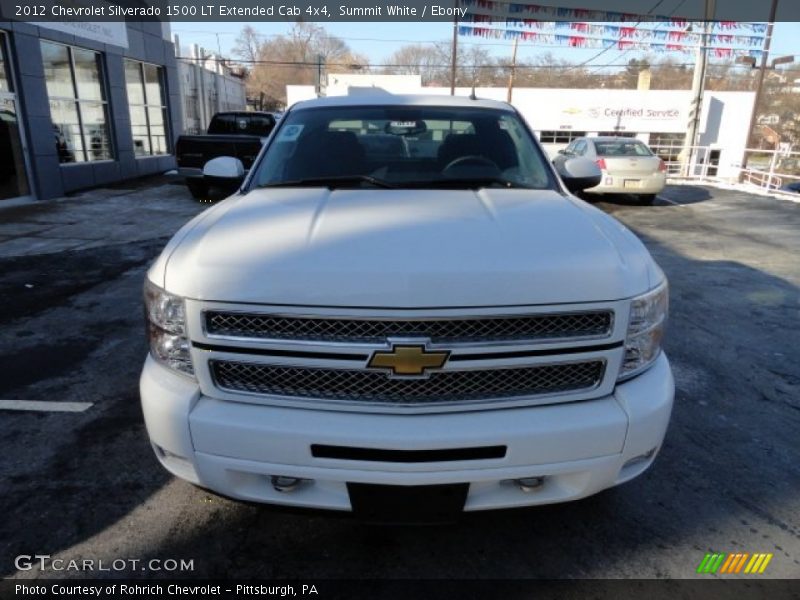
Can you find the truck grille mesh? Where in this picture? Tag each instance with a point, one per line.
(526, 327)
(377, 387)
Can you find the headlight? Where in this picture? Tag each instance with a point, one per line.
(645, 330)
(166, 329)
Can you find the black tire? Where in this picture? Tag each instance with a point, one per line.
(647, 199)
(197, 188)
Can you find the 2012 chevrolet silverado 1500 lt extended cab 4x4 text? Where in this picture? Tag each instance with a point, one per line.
(403, 306)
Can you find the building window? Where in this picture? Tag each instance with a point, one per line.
(625, 134)
(148, 108)
(560, 137)
(78, 107)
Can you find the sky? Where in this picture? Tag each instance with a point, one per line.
(378, 40)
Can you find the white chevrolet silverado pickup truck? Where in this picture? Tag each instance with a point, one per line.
(403, 308)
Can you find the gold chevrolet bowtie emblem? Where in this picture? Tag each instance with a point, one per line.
(407, 360)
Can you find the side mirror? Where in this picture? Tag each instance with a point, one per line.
(226, 168)
(562, 151)
(579, 173)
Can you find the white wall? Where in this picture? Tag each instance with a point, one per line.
(298, 93)
(204, 92)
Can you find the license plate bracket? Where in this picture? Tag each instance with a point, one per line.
(407, 504)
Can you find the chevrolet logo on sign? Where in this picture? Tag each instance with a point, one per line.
(408, 360)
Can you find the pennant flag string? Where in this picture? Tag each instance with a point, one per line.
(673, 44)
(525, 12)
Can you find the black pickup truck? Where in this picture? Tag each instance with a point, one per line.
(238, 134)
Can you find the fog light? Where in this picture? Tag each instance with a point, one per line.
(641, 458)
(529, 484)
(284, 484)
(164, 453)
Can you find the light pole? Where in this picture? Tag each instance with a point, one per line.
(698, 82)
(513, 71)
(749, 60)
(454, 52)
(773, 9)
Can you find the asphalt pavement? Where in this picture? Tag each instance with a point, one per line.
(85, 485)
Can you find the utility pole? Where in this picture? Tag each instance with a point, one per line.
(454, 52)
(320, 84)
(698, 83)
(218, 76)
(513, 70)
(762, 69)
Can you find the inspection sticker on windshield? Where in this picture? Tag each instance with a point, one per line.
(290, 133)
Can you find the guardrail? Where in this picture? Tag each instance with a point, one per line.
(768, 170)
(771, 169)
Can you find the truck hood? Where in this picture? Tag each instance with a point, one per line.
(405, 249)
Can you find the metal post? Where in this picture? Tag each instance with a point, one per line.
(320, 83)
(698, 81)
(454, 53)
(762, 69)
(773, 161)
(201, 87)
(513, 69)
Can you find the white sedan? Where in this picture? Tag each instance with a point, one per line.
(628, 166)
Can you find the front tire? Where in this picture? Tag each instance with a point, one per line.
(197, 188)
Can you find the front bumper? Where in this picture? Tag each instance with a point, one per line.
(580, 448)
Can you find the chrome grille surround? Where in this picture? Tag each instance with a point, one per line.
(594, 324)
(375, 387)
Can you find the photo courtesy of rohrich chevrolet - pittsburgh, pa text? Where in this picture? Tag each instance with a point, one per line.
(426, 299)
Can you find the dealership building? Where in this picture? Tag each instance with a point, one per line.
(85, 104)
(657, 117)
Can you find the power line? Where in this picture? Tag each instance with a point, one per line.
(306, 63)
(674, 10)
(604, 50)
(353, 39)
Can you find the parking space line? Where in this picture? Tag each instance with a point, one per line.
(44, 405)
(670, 201)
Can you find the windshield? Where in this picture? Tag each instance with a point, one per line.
(403, 146)
(622, 148)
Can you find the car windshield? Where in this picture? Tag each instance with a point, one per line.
(622, 148)
(403, 147)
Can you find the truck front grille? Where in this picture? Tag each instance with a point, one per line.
(453, 330)
(377, 387)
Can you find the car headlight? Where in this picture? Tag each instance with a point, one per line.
(166, 329)
(646, 323)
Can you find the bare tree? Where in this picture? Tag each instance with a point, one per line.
(426, 60)
(293, 59)
(247, 45)
(474, 65)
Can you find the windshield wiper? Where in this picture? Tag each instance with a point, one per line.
(331, 182)
(465, 183)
